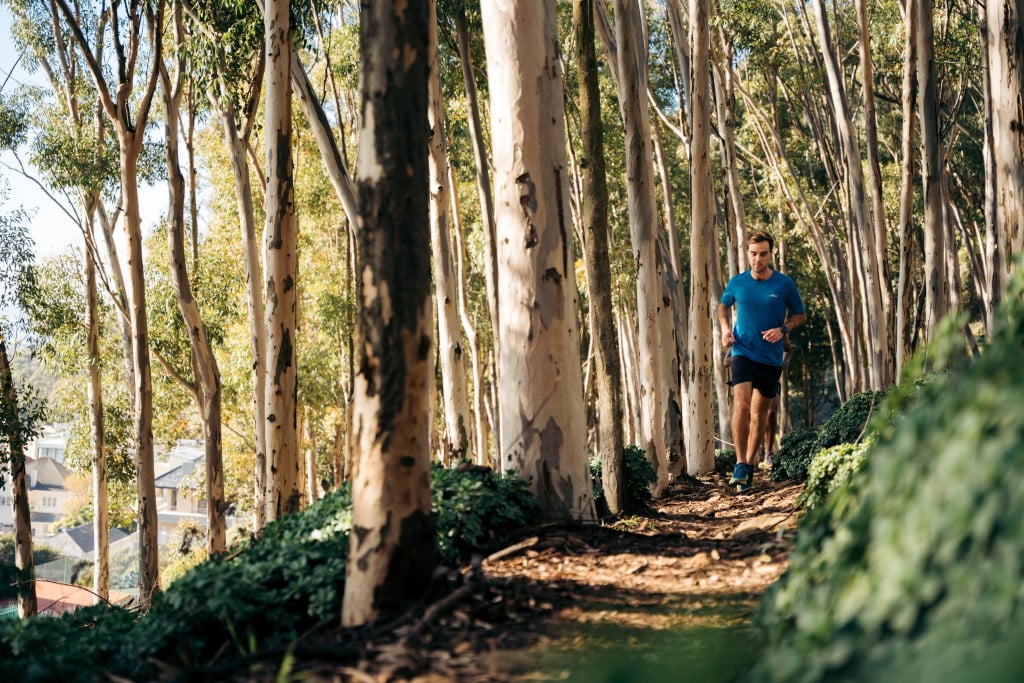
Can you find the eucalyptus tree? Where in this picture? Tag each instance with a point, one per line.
(456, 436)
(936, 284)
(866, 268)
(907, 238)
(1004, 23)
(69, 148)
(392, 547)
(656, 280)
(281, 262)
(594, 219)
(226, 49)
(700, 445)
(21, 412)
(543, 426)
(466, 16)
(133, 48)
(207, 389)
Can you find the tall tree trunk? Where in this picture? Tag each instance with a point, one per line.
(149, 554)
(15, 438)
(392, 553)
(994, 247)
(483, 181)
(594, 218)
(1005, 24)
(281, 259)
(936, 285)
(723, 78)
(661, 421)
(236, 128)
(908, 242)
(202, 349)
(543, 425)
(880, 347)
(480, 426)
(456, 439)
(866, 270)
(97, 429)
(700, 447)
(130, 127)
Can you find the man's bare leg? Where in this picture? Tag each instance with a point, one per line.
(741, 396)
(758, 421)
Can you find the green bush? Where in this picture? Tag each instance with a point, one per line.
(725, 460)
(796, 449)
(262, 595)
(639, 474)
(849, 423)
(475, 510)
(914, 572)
(830, 469)
(846, 426)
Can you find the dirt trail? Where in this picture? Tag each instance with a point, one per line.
(698, 562)
(637, 601)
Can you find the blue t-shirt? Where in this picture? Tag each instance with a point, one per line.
(761, 305)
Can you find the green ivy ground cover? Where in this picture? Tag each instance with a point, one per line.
(915, 572)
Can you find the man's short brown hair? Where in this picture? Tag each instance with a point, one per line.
(756, 236)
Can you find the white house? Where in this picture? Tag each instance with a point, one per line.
(53, 443)
(79, 541)
(48, 499)
(175, 502)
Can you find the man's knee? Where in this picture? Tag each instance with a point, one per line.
(741, 406)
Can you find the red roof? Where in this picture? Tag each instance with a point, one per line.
(55, 598)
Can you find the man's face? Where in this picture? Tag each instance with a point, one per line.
(759, 256)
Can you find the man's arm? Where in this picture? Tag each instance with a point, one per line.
(795, 321)
(725, 323)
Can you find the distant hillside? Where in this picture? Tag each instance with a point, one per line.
(31, 372)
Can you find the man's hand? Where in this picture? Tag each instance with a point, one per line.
(727, 339)
(773, 335)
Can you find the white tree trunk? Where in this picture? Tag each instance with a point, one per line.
(700, 447)
(865, 267)
(100, 498)
(1005, 22)
(480, 424)
(543, 426)
(936, 285)
(392, 544)
(280, 247)
(456, 443)
(661, 423)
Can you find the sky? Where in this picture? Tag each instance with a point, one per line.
(52, 230)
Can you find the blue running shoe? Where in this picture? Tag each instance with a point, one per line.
(739, 474)
(748, 482)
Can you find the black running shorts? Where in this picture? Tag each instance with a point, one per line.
(765, 378)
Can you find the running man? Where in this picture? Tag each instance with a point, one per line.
(762, 297)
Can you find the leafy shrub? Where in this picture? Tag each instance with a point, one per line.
(725, 460)
(831, 469)
(796, 449)
(75, 644)
(914, 573)
(475, 509)
(640, 477)
(847, 425)
(639, 474)
(261, 595)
